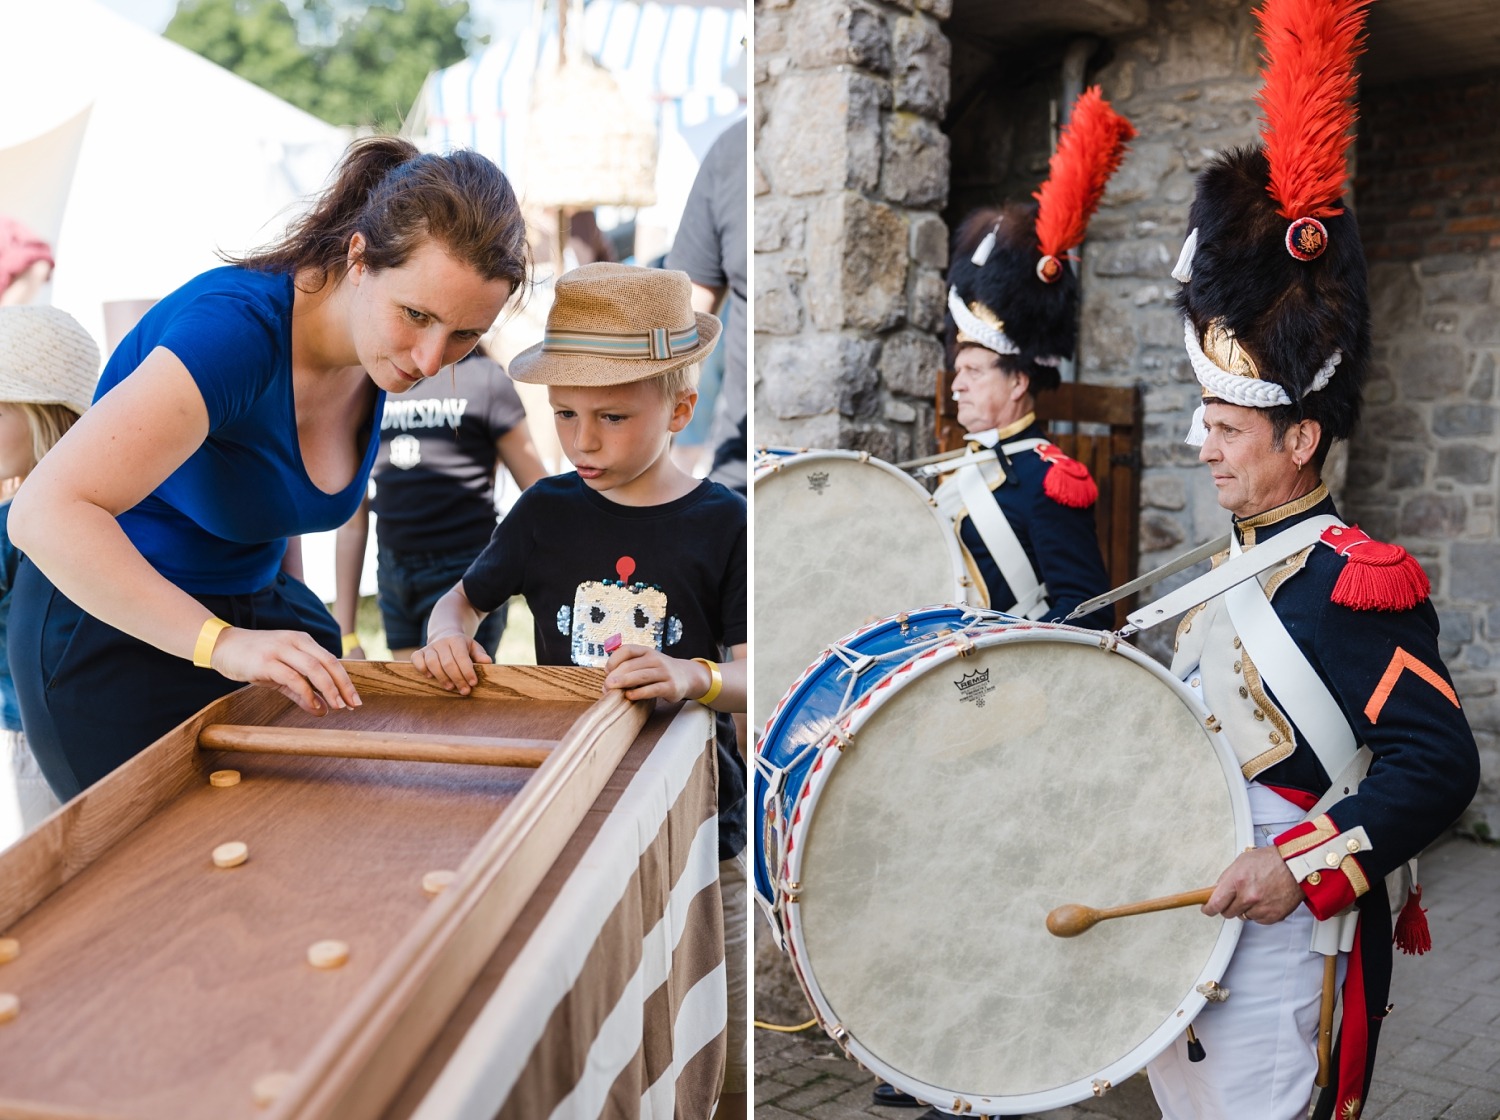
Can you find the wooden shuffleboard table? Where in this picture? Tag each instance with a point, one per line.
(519, 887)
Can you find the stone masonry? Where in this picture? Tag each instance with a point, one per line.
(851, 170)
(1422, 470)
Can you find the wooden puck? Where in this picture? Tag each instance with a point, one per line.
(10, 949)
(327, 954)
(224, 778)
(10, 1006)
(436, 882)
(231, 854)
(269, 1086)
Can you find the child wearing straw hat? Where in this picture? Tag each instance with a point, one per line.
(629, 564)
(48, 367)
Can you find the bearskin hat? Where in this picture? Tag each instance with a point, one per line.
(1012, 290)
(1276, 312)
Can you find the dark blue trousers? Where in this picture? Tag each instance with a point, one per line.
(92, 698)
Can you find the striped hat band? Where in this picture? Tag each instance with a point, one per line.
(655, 344)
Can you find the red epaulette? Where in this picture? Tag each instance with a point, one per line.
(1376, 577)
(1067, 481)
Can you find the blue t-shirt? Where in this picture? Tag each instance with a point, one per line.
(10, 559)
(219, 523)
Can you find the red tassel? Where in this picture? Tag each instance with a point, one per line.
(1377, 577)
(1412, 934)
(1067, 482)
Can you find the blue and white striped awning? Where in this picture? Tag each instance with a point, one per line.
(678, 59)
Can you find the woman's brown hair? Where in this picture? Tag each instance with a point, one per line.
(397, 198)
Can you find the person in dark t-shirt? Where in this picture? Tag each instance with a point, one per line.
(434, 503)
(629, 564)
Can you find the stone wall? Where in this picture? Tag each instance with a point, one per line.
(851, 171)
(1422, 469)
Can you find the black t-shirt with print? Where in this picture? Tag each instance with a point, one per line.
(435, 472)
(670, 577)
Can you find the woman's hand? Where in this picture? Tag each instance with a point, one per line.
(648, 674)
(288, 661)
(449, 659)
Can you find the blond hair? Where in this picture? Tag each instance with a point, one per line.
(677, 381)
(47, 423)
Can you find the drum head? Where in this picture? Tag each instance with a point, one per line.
(839, 541)
(979, 793)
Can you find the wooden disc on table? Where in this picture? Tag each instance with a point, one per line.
(327, 954)
(270, 1086)
(10, 949)
(10, 1006)
(232, 854)
(436, 882)
(224, 778)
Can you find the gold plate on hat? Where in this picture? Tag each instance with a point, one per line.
(1225, 351)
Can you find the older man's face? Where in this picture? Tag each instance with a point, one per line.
(1250, 473)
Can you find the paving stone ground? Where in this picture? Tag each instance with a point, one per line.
(1439, 1049)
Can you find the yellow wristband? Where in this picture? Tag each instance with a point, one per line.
(716, 684)
(208, 637)
(351, 641)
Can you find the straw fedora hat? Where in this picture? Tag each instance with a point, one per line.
(46, 358)
(611, 324)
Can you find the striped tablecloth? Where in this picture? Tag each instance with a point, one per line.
(607, 998)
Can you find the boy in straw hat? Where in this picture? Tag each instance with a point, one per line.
(48, 367)
(629, 563)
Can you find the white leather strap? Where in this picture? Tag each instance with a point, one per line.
(998, 536)
(1235, 570)
(1299, 690)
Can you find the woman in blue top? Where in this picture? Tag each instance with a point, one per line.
(244, 409)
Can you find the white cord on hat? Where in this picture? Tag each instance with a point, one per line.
(991, 338)
(1248, 392)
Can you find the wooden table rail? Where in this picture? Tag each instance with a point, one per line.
(477, 750)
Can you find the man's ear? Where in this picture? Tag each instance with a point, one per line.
(1305, 435)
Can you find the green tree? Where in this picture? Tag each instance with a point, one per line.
(348, 62)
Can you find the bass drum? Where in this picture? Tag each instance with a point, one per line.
(841, 539)
(931, 790)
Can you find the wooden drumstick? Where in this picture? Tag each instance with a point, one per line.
(1325, 1021)
(1073, 919)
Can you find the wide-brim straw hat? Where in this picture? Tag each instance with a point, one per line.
(46, 357)
(613, 324)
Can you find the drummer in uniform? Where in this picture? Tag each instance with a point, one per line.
(1024, 511)
(1333, 646)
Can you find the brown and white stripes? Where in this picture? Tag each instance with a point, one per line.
(611, 1002)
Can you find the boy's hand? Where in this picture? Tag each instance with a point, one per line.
(449, 659)
(647, 674)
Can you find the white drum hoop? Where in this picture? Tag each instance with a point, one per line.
(846, 732)
(953, 585)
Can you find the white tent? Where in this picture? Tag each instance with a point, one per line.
(683, 62)
(137, 159)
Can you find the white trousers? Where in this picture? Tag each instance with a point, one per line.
(25, 798)
(1260, 1045)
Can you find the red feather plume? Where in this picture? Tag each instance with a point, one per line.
(1088, 153)
(1307, 97)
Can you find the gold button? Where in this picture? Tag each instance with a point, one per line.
(1338, 532)
(1244, 693)
(1332, 859)
(1315, 878)
(1259, 714)
(1236, 643)
(1194, 682)
(1236, 666)
(1275, 738)
(1352, 845)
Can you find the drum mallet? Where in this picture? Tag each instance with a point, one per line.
(1073, 919)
